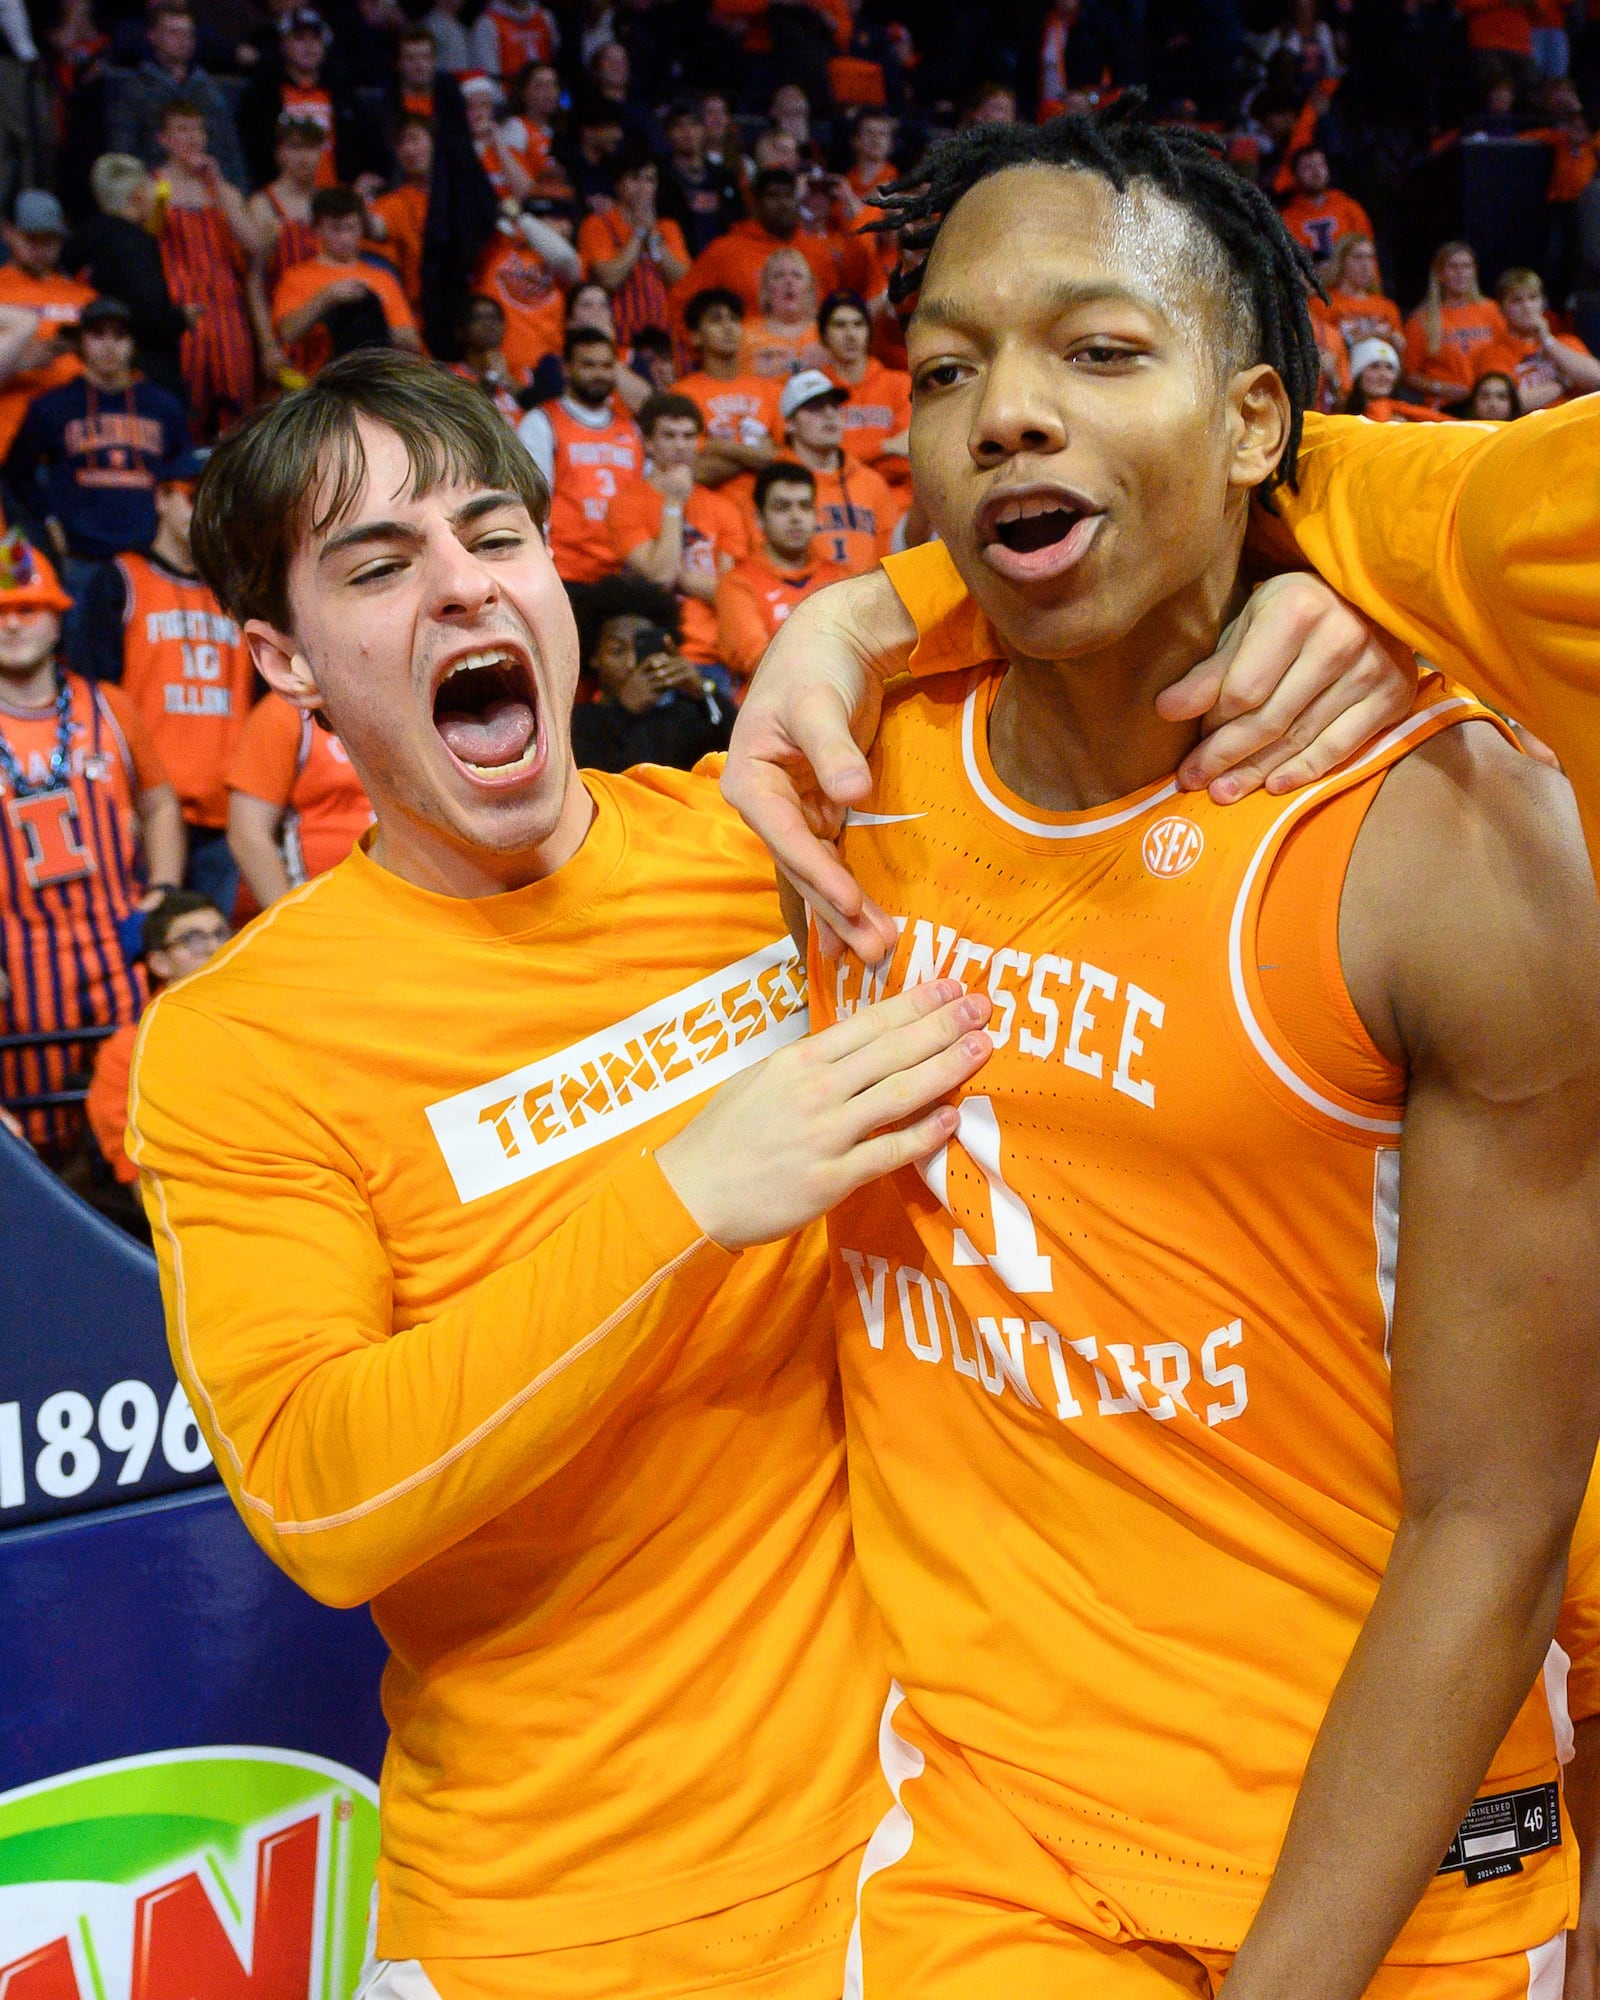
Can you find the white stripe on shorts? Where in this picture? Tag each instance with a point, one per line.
(891, 1837)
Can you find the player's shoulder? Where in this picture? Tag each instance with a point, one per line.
(679, 823)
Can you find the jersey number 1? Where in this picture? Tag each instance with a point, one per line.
(1017, 1261)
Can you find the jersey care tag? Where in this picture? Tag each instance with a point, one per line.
(1498, 1831)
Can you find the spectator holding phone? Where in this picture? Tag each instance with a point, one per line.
(655, 706)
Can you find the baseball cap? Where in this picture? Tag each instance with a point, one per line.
(1365, 352)
(478, 83)
(809, 386)
(184, 466)
(38, 213)
(102, 310)
(300, 18)
(27, 580)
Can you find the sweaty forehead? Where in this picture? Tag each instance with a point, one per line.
(1026, 231)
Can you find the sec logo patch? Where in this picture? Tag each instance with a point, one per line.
(1172, 845)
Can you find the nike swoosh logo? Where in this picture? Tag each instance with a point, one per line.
(854, 818)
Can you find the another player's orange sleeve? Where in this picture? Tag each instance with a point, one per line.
(148, 769)
(106, 1101)
(280, 1313)
(267, 753)
(742, 631)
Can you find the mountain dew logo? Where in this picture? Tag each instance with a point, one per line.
(219, 1874)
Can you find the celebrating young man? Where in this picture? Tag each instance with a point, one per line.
(489, 1361)
(1203, 1484)
(475, 1344)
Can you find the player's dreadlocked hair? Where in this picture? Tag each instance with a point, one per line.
(1266, 274)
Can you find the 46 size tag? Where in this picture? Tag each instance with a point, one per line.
(1498, 1831)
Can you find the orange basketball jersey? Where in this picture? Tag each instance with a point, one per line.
(591, 463)
(283, 758)
(187, 671)
(1121, 1436)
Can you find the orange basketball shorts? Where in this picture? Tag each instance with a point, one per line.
(950, 1908)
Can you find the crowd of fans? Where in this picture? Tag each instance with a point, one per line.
(642, 226)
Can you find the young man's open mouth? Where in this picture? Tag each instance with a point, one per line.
(1030, 534)
(486, 709)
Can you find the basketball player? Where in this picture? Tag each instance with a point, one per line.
(1177, 1578)
(413, 1150)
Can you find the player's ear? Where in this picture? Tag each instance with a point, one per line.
(281, 664)
(1258, 424)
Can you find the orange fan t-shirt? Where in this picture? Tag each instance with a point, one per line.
(777, 352)
(519, 279)
(713, 529)
(57, 302)
(404, 214)
(753, 600)
(301, 283)
(1122, 1462)
(856, 510)
(1319, 220)
(1462, 330)
(1523, 358)
(462, 1353)
(312, 104)
(1361, 316)
(105, 1103)
(879, 408)
(187, 670)
(285, 760)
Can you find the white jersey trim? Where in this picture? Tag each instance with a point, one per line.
(1080, 829)
(1389, 1128)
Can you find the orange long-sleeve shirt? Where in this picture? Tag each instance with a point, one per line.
(459, 1349)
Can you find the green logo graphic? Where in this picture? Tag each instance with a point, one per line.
(219, 1874)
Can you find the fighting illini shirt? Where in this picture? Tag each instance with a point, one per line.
(67, 880)
(599, 1501)
(713, 527)
(284, 759)
(187, 671)
(1121, 1436)
(591, 462)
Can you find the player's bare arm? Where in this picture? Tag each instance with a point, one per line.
(1471, 947)
(1580, 1784)
(1298, 681)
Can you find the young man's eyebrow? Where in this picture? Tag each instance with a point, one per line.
(402, 531)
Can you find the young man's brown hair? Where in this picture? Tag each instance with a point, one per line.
(297, 464)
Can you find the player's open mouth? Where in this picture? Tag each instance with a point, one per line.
(1032, 533)
(486, 710)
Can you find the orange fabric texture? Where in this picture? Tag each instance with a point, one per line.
(1319, 220)
(1361, 316)
(1144, 1290)
(713, 528)
(106, 1103)
(404, 213)
(301, 283)
(1523, 358)
(794, 1937)
(187, 671)
(1036, 1931)
(462, 1352)
(879, 408)
(776, 352)
(284, 759)
(735, 258)
(592, 463)
(730, 407)
(527, 291)
(1463, 329)
(856, 510)
(753, 600)
(57, 301)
